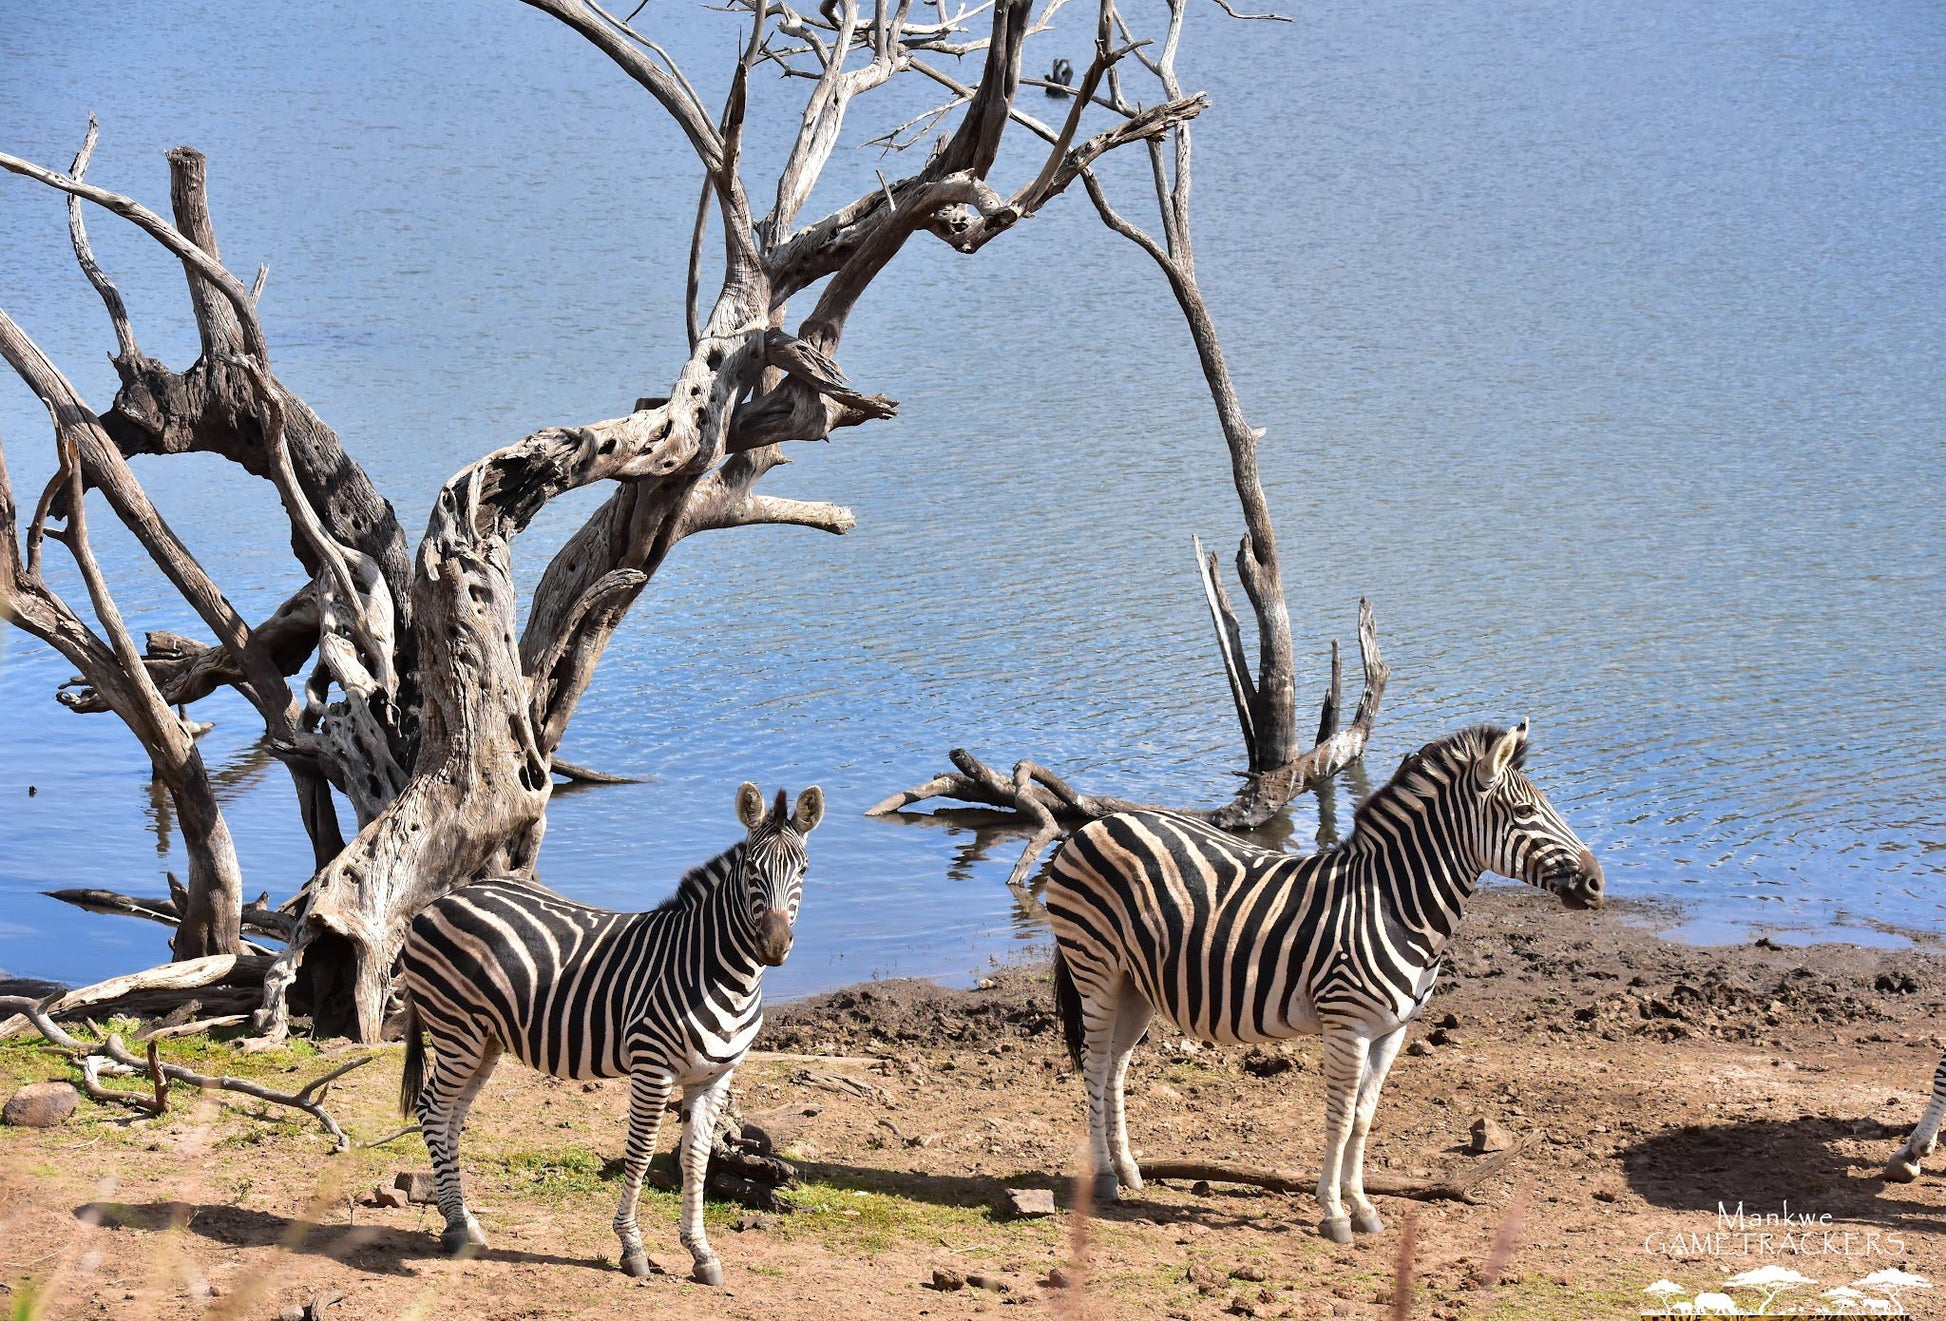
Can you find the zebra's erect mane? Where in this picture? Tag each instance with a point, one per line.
(1449, 753)
(702, 879)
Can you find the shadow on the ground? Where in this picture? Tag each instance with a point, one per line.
(1221, 1209)
(1765, 1163)
(380, 1249)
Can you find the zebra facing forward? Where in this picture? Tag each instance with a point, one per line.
(1904, 1165)
(1157, 913)
(671, 998)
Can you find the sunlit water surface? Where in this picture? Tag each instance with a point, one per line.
(1600, 346)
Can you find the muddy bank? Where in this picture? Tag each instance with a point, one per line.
(1656, 1088)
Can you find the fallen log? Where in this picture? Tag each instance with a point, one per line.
(186, 975)
(1455, 1185)
(576, 773)
(116, 1059)
(258, 917)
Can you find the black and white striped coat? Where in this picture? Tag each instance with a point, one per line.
(1155, 913)
(670, 998)
(1904, 1165)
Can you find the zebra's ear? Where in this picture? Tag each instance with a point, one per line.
(809, 811)
(750, 805)
(1507, 751)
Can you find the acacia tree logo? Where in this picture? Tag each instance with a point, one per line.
(1877, 1294)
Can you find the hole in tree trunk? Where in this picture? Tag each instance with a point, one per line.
(326, 983)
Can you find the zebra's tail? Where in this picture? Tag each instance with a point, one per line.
(1067, 1007)
(415, 1061)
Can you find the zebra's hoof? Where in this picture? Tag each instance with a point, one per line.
(708, 1272)
(1337, 1229)
(1902, 1168)
(1106, 1187)
(462, 1240)
(1367, 1222)
(635, 1264)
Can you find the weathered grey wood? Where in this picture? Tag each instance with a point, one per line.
(421, 703)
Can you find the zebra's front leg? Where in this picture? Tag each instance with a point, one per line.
(1904, 1165)
(648, 1094)
(1378, 1062)
(700, 1105)
(1344, 1066)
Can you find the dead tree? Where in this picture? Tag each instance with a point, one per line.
(1279, 765)
(420, 703)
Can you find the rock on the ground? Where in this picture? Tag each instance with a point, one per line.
(1266, 1063)
(946, 1281)
(42, 1105)
(1059, 1278)
(984, 1281)
(1027, 1203)
(1488, 1135)
(390, 1199)
(417, 1186)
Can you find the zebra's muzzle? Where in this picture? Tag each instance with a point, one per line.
(1583, 889)
(773, 936)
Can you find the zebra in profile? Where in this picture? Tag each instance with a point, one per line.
(671, 998)
(1904, 1165)
(1158, 913)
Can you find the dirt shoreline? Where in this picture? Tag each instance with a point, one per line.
(1654, 1079)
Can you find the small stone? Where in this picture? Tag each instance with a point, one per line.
(1418, 1049)
(947, 1281)
(1449, 1021)
(1250, 1273)
(1488, 1135)
(389, 1198)
(1439, 1036)
(1266, 1063)
(42, 1105)
(1200, 1188)
(1027, 1203)
(1206, 1278)
(1241, 1306)
(418, 1187)
(1059, 1278)
(590, 1086)
(1603, 1195)
(295, 1312)
(754, 1221)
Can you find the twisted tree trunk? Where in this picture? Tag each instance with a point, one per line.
(420, 706)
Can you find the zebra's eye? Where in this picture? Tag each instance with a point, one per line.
(1526, 813)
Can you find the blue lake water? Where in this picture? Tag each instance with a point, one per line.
(1601, 346)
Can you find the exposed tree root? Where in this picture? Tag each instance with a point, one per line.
(113, 1058)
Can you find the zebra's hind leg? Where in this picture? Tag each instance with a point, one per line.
(700, 1105)
(1904, 1165)
(460, 1069)
(1378, 1062)
(1133, 1014)
(1345, 1049)
(648, 1093)
(1099, 1013)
